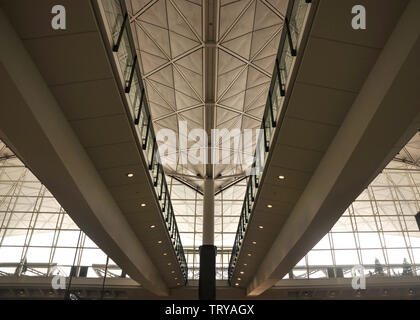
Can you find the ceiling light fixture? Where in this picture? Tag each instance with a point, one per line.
(130, 175)
(269, 206)
(152, 226)
(173, 271)
(261, 227)
(254, 242)
(160, 241)
(249, 254)
(282, 177)
(165, 254)
(143, 204)
(241, 272)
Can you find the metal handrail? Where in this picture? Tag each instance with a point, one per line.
(274, 109)
(124, 47)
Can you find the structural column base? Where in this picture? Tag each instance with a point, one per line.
(207, 282)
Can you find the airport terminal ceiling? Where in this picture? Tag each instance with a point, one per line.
(169, 36)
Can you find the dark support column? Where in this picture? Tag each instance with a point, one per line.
(418, 219)
(207, 282)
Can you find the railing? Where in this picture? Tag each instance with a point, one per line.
(52, 269)
(345, 271)
(123, 44)
(293, 26)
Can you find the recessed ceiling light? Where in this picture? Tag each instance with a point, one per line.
(236, 284)
(160, 241)
(152, 226)
(254, 242)
(176, 278)
(261, 227)
(178, 284)
(282, 177)
(173, 271)
(143, 204)
(245, 264)
(239, 279)
(130, 175)
(169, 263)
(241, 272)
(249, 254)
(269, 206)
(165, 254)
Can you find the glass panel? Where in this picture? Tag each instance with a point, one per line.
(319, 257)
(346, 257)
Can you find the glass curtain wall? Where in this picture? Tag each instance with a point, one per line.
(378, 231)
(37, 237)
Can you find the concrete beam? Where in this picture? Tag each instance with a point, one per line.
(34, 126)
(384, 116)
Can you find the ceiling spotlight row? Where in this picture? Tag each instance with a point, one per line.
(281, 177)
(270, 205)
(131, 175)
(165, 254)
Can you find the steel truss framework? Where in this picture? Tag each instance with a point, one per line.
(170, 39)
